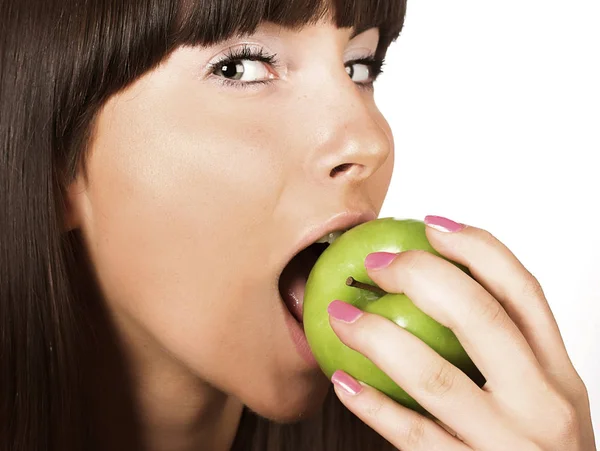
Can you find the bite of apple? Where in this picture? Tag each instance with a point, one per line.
(339, 273)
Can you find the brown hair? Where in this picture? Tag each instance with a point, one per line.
(59, 63)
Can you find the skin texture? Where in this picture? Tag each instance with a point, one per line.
(195, 196)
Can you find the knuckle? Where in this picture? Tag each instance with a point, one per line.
(438, 379)
(580, 390)
(493, 313)
(532, 288)
(415, 432)
(486, 238)
(565, 417)
(490, 312)
(561, 418)
(374, 408)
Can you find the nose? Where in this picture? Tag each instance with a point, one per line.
(351, 138)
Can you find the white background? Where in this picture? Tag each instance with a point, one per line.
(495, 108)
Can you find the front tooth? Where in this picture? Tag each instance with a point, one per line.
(330, 237)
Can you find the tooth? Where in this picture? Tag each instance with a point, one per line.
(330, 237)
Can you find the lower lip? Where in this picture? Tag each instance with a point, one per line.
(299, 339)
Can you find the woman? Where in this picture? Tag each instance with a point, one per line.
(162, 163)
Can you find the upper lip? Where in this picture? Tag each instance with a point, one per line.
(340, 221)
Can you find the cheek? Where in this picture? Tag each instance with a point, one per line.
(178, 211)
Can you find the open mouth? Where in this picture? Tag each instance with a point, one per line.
(292, 281)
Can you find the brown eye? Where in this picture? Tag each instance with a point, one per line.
(243, 70)
(231, 70)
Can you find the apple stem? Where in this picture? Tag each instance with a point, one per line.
(352, 282)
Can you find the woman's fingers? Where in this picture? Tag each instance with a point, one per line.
(504, 323)
(499, 271)
(451, 297)
(441, 388)
(402, 427)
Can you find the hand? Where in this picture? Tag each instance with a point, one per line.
(533, 398)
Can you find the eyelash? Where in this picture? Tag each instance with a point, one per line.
(374, 64)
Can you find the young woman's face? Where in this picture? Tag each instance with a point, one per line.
(199, 193)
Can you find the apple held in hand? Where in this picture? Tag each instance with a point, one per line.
(339, 273)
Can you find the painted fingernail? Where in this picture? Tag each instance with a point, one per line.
(346, 382)
(379, 260)
(443, 224)
(343, 311)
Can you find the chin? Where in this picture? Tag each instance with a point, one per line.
(290, 405)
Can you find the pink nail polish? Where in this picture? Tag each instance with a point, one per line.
(379, 260)
(343, 311)
(346, 382)
(443, 224)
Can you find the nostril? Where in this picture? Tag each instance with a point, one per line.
(339, 169)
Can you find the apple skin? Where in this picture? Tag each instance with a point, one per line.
(327, 282)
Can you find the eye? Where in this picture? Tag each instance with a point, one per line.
(243, 70)
(246, 66)
(359, 73)
(365, 71)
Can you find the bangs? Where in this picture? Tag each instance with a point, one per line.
(206, 22)
(95, 48)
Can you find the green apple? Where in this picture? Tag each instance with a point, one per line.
(329, 280)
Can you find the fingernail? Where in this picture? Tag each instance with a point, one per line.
(443, 224)
(379, 260)
(343, 311)
(346, 383)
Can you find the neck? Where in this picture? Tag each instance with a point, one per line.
(141, 398)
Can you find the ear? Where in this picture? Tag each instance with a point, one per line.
(74, 200)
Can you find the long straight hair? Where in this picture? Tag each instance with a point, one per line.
(60, 61)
